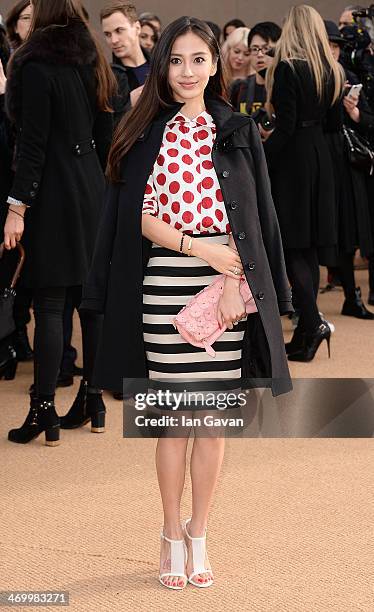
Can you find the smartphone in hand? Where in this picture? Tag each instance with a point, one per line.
(355, 91)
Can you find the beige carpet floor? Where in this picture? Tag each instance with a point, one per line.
(291, 528)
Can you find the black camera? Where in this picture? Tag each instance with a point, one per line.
(355, 38)
(261, 117)
(366, 12)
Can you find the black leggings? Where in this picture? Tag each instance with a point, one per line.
(345, 272)
(48, 342)
(303, 274)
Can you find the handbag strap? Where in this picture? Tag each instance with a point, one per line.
(21, 261)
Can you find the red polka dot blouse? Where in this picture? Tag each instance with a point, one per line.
(183, 188)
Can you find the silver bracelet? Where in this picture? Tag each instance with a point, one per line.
(14, 202)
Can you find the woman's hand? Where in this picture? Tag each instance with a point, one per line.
(231, 306)
(264, 133)
(2, 79)
(350, 105)
(14, 226)
(221, 257)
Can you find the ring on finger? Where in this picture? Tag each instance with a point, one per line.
(236, 271)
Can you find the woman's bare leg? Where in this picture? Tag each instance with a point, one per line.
(171, 470)
(206, 461)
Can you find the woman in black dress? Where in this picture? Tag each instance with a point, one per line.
(304, 85)
(58, 89)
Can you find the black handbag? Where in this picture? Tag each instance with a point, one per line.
(359, 151)
(7, 296)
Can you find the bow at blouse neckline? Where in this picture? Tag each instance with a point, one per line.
(202, 119)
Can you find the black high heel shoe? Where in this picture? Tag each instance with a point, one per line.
(8, 363)
(42, 416)
(86, 407)
(312, 343)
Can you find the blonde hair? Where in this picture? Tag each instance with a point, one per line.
(239, 36)
(304, 37)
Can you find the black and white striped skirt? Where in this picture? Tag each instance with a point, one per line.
(170, 281)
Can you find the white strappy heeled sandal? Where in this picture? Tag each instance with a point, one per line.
(198, 546)
(178, 560)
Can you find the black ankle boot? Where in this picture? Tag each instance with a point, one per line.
(96, 408)
(22, 345)
(312, 343)
(86, 407)
(356, 307)
(296, 343)
(42, 416)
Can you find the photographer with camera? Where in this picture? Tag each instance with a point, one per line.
(357, 28)
(353, 211)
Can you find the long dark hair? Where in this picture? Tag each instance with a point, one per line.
(157, 94)
(52, 13)
(4, 48)
(11, 22)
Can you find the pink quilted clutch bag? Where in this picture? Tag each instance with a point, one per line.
(197, 322)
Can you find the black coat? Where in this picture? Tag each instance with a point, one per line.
(51, 96)
(6, 158)
(127, 82)
(299, 160)
(352, 201)
(115, 281)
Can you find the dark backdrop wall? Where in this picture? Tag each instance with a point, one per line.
(219, 11)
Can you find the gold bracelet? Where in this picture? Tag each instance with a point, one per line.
(189, 247)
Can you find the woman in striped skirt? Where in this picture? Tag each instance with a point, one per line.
(167, 163)
(183, 195)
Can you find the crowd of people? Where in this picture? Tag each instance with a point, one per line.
(244, 152)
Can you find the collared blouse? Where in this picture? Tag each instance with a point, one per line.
(183, 188)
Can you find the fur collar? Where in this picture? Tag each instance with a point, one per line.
(69, 45)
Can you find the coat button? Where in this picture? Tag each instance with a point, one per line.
(251, 265)
(242, 235)
(233, 205)
(35, 185)
(226, 173)
(33, 194)
(261, 295)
